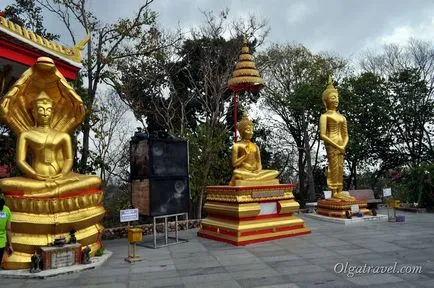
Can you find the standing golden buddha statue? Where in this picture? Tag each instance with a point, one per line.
(333, 131)
(49, 200)
(246, 159)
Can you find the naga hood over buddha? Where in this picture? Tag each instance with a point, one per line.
(42, 109)
(49, 200)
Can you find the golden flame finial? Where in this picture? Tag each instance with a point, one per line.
(244, 122)
(330, 83)
(79, 47)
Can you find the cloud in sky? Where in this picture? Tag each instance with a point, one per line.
(345, 27)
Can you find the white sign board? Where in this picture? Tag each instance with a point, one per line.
(355, 208)
(268, 208)
(128, 215)
(387, 192)
(327, 194)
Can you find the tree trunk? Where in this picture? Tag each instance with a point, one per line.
(301, 177)
(353, 177)
(311, 197)
(199, 204)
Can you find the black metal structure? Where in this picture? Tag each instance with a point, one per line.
(160, 162)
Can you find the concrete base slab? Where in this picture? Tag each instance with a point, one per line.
(134, 259)
(345, 221)
(25, 273)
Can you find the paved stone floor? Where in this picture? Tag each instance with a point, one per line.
(304, 261)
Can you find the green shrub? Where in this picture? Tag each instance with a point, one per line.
(99, 252)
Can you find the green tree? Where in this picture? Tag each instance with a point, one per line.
(409, 71)
(412, 117)
(27, 14)
(407, 107)
(109, 44)
(184, 89)
(295, 79)
(365, 104)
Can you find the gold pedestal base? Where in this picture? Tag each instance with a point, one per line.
(341, 208)
(244, 215)
(48, 219)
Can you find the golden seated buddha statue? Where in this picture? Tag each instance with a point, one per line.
(334, 133)
(246, 160)
(49, 200)
(42, 139)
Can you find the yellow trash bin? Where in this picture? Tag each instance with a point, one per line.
(135, 235)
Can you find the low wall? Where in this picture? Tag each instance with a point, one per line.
(122, 232)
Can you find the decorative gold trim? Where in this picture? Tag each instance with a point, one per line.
(341, 213)
(288, 206)
(73, 54)
(53, 205)
(234, 194)
(244, 65)
(256, 183)
(332, 213)
(340, 206)
(57, 223)
(246, 80)
(246, 198)
(232, 209)
(243, 226)
(264, 236)
(246, 58)
(245, 72)
(28, 243)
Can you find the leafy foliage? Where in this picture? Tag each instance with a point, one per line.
(183, 89)
(295, 79)
(27, 14)
(364, 102)
(412, 115)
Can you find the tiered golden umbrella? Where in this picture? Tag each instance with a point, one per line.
(245, 78)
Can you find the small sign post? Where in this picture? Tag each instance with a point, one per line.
(129, 215)
(134, 234)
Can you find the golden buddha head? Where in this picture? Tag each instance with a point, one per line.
(330, 96)
(245, 127)
(42, 109)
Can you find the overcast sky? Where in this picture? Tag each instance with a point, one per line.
(346, 27)
(343, 26)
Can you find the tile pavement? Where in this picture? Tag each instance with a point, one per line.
(304, 261)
